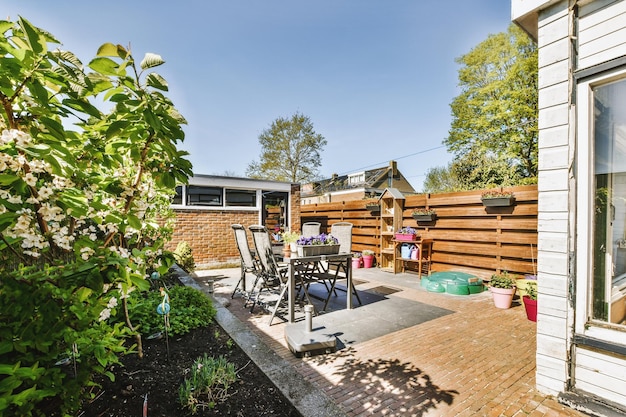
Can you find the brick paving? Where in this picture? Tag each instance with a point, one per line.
(478, 361)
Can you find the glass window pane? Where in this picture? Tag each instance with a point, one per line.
(178, 197)
(608, 301)
(240, 198)
(204, 196)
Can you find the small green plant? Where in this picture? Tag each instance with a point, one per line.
(189, 309)
(494, 193)
(531, 289)
(290, 237)
(230, 343)
(184, 257)
(502, 280)
(423, 212)
(207, 384)
(367, 252)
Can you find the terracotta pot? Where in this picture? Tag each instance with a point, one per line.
(531, 308)
(502, 297)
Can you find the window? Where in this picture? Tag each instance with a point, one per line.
(178, 197)
(602, 151)
(240, 198)
(204, 196)
(355, 179)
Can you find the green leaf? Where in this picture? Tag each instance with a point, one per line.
(35, 40)
(134, 221)
(104, 66)
(116, 127)
(107, 49)
(155, 80)
(151, 60)
(8, 179)
(140, 282)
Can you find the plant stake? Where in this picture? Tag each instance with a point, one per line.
(164, 310)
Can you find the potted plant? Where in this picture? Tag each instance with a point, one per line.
(356, 260)
(321, 244)
(502, 287)
(290, 239)
(368, 258)
(424, 214)
(406, 234)
(530, 300)
(497, 198)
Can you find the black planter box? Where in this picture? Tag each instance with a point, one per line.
(498, 201)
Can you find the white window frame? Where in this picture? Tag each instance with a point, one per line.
(584, 325)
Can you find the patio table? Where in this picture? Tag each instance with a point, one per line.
(310, 263)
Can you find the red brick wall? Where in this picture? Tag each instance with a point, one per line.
(209, 234)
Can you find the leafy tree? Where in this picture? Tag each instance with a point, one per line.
(84, 210)
(290, 151)
(441, 180)
(495, 116)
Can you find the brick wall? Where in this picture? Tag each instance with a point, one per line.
(209, 234)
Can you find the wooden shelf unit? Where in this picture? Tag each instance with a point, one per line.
(391, 206)
(425, 247)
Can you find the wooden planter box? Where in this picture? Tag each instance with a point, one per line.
(498, 201)
(424, 217)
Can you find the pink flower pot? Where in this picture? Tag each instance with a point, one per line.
(502, 297)
(356, 263)
(368, 260)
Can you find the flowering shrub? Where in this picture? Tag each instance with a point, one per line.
(84, 213)
(322, 239)
(407, 231)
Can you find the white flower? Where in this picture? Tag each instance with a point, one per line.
(112, 303)
(30, 179)
(105, 314)
(86, 253)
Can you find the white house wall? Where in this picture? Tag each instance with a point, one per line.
(553, 324)
(602, 32)
(600, 36)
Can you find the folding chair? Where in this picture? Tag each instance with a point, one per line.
(249, 262)
(343, 232)
(311, 229)
(273, 276)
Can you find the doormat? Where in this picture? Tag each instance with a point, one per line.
(359, 282)
(383, 290)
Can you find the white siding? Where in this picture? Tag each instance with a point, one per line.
(601, 374)
(601, 32)
(553, 325)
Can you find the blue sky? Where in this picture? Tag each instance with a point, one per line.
(376, 77)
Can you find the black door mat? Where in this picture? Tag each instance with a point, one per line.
(383, 290)
(359, 282)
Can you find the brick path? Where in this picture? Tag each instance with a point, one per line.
(478, 361)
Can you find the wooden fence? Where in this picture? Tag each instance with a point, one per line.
(467, 236)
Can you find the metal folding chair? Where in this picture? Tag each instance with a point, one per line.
(343, 232)
(311, 229)
(273, 277)
(249, 262)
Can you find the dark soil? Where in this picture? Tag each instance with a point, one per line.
(159, 376)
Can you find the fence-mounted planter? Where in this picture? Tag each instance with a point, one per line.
(498, 201)
(494, 198)
(424, 215)
(373, 208)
